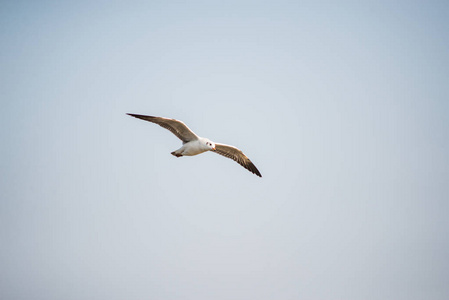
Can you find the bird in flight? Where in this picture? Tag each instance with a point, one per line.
(193, 144)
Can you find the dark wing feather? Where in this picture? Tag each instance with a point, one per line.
(237, 155)
(178, 128)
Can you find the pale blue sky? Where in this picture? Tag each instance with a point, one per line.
(342, 105)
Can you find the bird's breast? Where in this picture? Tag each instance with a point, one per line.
(193, 148)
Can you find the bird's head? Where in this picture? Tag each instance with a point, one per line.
(210, 145)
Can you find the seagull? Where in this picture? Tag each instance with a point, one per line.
(194, 145)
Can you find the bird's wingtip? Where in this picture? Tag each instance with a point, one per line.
(133, 115)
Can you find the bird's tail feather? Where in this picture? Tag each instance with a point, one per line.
(176, 154)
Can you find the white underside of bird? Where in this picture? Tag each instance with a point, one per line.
(193, 148)
(194, 145)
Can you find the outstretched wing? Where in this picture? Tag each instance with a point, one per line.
(237, 155)
(178, 128)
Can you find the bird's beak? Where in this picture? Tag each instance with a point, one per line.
(213, 148)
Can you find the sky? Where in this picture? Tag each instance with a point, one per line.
(342, 106)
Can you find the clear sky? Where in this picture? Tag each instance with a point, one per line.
(342, 105)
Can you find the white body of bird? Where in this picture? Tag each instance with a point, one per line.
(195, 147)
